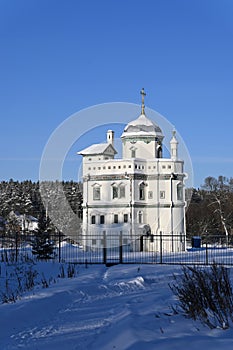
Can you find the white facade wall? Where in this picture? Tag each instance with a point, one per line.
(142, 150)
(160, 208)
(152, 201)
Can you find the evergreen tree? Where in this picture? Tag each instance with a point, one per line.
(43, 246)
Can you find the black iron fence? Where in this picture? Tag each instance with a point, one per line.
(108, 248)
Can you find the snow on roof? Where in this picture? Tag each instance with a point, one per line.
(98, 148)
(139, 133)
(142, 120)
(142, 126)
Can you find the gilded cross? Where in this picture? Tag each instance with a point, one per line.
(142, 92)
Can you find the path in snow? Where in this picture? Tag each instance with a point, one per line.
(105, 308)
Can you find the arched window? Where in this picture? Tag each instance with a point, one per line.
(133, 152)
(140, 217)
(118, 190)
(102, 219)
(142, 191)
(115, 218)
(96, 192)
(122, 190)
(115, 191)
(179, 189)
(159, 151)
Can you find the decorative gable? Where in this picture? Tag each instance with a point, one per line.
(99, 149)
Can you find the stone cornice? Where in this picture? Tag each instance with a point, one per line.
(135, 205)
(134, 176)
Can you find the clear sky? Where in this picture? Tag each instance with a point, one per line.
(60, 56)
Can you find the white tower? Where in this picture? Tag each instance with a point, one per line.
(174, 147)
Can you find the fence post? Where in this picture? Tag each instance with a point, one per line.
(59, 246)
(104, 248)
(161, 248)
(16, 246)
(141, 243)
(206, 253)
(120, 248)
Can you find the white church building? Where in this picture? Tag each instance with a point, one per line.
(140, 195)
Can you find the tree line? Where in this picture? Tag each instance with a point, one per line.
(25, 198)
(210, 211)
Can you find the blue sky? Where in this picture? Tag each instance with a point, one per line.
(58, 57)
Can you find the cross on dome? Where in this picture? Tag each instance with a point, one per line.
(142, 92)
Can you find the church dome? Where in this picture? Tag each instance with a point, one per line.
(142, 126)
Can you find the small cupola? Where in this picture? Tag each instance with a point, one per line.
(142, 126)
(174, 146)
(144, 135)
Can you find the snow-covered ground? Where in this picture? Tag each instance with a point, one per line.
(120, 307)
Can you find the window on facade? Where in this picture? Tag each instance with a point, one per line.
(102, 219)
(159, 152)
(162, 195)
(93, 241)
(125, 217)
(133, 153)
(114, 192)
(150, 195)
(96, 193)
(125, 241)
(122, 191)
(140, 217)
(179, 192)
(142, 191)
(93, 219)
(115, 218)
